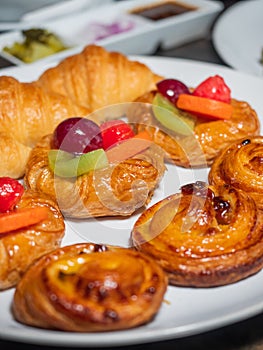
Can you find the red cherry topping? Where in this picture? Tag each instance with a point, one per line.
(214, 88)
(77, 135)
(10, 193)
(115, 131)
(171, 89)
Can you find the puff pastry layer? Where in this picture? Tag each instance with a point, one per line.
(20, 248)
(203, 237)
(119, 189)
(241, 166)
(208, 138)
(90, 288)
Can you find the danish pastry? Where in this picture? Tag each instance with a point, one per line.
(96, 78)
(240, 165)
(117, 189)
(20, 247)
(202, 236)
(208, 138)
(90, 288)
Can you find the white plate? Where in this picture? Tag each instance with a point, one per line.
(188, 311)
(237, 36)
(135, 35)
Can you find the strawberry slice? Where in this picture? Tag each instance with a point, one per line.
(10, 193)
(115, 131)
(214, 88)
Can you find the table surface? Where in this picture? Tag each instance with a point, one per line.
(245, 335)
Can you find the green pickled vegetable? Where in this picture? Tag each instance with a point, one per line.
(37, 44)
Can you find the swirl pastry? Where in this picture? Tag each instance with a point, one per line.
(96, 78)
(90, 288)
(208, 138)
(241, 166)
(19, 248)
(118, 189)
(203, 237)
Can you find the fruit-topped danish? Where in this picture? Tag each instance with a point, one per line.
(203, 236)
(94, 170)
(193, 125)
(31, 225)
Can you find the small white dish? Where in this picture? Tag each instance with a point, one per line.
(19, 14)
(114, 27)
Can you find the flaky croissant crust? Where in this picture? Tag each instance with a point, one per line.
(26, 114)
(119, 189)
(208, 139)
(20, 248)
(200, 245)
(90, 288)
(241, 166)
(96, 78)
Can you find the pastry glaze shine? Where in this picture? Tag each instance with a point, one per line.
(90, 288)
(204, 238)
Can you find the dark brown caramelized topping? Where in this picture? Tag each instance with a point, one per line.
(223, 210)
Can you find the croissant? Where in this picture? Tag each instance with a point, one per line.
(208, 137)
(21, 247)
(26, 114)
(118, 189)
(240, 165)
(203, 236)
(97, 78)
(90, 288)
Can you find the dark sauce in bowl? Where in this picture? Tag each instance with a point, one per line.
(163, 10)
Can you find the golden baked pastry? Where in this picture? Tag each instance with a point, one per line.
(77, 86)
(19, 248)
(26, 114)
(203, 237)
(90, 288)
(208, 138)
(118, 189)
(97, 78)
(241, 166)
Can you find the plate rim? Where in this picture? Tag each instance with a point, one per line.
(218, 29)
(18, 333)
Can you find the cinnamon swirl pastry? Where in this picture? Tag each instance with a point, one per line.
(208, 138)
(20, 247)
(118, 189)
(203, 237)
(90, 288)
(241, 166)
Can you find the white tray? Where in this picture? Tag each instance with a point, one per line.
(139, 36)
